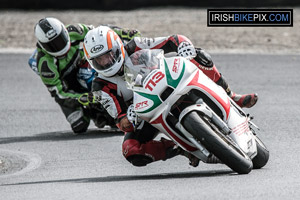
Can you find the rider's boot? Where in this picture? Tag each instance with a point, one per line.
(243, 100)
(175, 150)
(101, 118)
(100, 121)
(204, 62)
(194, 161)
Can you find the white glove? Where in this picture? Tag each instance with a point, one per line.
(132, 116)
(186, 50)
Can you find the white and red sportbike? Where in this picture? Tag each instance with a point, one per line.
(174, 96)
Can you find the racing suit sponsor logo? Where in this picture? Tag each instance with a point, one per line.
(205, 68)
(108, 103)
(105, 102)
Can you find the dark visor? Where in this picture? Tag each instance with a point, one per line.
(57, 44)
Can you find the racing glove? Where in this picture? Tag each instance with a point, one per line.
(125, 33)
(128, 34)
(186, 50)
(132, 116)
(89, 98)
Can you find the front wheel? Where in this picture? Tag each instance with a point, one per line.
(262, 156)
(215, 142)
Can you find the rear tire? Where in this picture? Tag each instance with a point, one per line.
(218, 144)
(262, 156)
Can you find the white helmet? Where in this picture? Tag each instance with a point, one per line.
(104, 50)
(52, 36)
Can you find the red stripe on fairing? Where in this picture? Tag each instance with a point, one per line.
(225, 105)
(160, 120)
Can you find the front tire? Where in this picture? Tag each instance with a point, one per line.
(218, 144)
(262, 157)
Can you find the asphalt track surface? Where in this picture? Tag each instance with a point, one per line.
(43, 160)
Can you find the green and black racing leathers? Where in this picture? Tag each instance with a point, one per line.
(60, 75)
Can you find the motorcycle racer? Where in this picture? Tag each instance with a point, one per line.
(57, 61)
(139, 146)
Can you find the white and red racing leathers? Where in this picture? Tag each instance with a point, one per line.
(116, 98)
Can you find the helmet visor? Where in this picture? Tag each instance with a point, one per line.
(57, 44)
(105, 61)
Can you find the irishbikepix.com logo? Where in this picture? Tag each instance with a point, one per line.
(250, 17)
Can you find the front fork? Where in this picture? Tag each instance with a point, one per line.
(204, 110)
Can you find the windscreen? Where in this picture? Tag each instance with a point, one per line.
(140, 64)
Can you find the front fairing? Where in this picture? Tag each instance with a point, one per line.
(154, 83)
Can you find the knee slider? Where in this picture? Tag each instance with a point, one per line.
(139, 160)
(203, 58)
(79, 123)
(80, 126)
